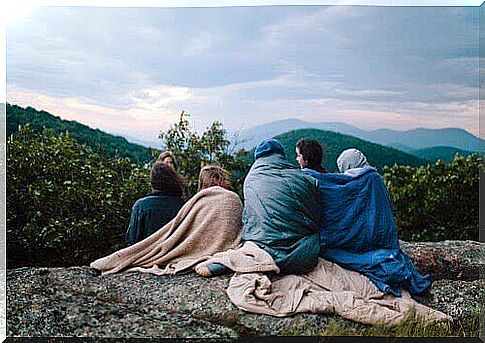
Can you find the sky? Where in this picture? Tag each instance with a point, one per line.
(131, 71)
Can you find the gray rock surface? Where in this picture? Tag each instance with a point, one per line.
(76, 302)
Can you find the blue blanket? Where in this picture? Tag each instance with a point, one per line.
(359, 233)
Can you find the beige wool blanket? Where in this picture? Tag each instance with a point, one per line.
(328, 289)
(208, 223)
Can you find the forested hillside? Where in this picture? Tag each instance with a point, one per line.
(378, 155)
(101, 141)
(444, 153)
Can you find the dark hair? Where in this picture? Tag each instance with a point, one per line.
(213, 176)
(164, 178)
(312, 152)
(168, 153)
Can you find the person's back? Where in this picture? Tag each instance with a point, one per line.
(150, 213)
(358, 230)
(281, 210)
(153, 211)
(357, 211)
(208, 223)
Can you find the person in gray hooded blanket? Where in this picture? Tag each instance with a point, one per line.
(282, 210)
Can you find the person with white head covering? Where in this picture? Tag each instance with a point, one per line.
(351, 161)
(358, 229)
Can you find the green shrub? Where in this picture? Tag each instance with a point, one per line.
(436, 202)
(66, 204)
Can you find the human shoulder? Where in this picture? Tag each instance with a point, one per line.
(224, 191)
(140, 202)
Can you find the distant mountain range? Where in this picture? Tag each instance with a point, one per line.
(403, 140)
(146, 143)
(377, 155)
(413, 147)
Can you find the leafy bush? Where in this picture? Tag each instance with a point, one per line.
(66, 204)
(437, 201)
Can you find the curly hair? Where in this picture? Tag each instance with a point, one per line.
(213, 176)
(312, 152)
(164, 178)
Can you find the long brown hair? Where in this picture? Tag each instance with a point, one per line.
(165, 179)
(214, 176)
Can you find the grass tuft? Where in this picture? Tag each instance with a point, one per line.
(469, 327)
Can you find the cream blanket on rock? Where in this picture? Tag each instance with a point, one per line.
(208, 223)
(327, 289)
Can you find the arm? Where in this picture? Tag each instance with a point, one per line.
(132, 235)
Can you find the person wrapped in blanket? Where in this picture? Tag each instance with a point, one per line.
(281, 212)
(358, 229)
(208, 223)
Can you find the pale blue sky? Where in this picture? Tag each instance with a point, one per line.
(132, 70)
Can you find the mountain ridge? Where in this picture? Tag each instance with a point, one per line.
(334, 143)
(417, 138)
(112, 144)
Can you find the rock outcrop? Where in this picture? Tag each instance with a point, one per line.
(76, 302)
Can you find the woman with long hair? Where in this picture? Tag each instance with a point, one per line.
(156, 209)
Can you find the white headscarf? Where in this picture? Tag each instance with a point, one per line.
(351, 159)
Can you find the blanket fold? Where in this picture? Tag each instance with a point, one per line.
(208, 223)
(327, 289)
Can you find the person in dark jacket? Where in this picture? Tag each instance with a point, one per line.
(309, 154)
(282, 210)
(153, 211)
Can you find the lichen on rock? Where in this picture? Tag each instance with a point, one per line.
(75, 301)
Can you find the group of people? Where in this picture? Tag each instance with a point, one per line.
(153, 211)
(297, 216)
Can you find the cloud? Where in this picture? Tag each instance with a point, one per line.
(388, 67)
(143, 121)
(366, 93)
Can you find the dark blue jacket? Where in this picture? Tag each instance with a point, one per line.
(151, 213)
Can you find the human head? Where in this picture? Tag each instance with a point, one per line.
(164, 178)
(350, 159)
(268, 147)
(168, 158)
(309, 153)
(213, 176)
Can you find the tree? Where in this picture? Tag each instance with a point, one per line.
(193, 151)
